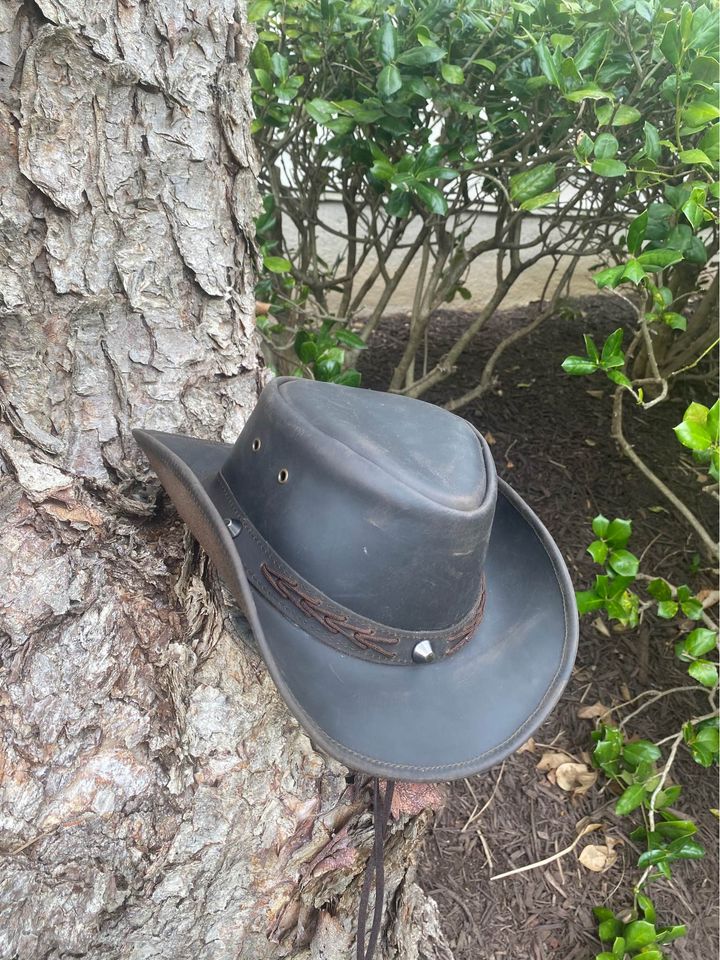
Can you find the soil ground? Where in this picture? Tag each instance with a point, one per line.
(550, 440)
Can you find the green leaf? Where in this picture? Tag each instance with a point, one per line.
(609, 168)
(421, 56)
(279, 66)
(600, 525)
(264, 79)
(672, 829)
(653, 260)
(676, 321)
(259, 10)
(647, 907)
(667, 797)
(588, 93)
(590, 348)
(652, 149)
(277, 264)
(578, 366)
(349, 378)
(591, 50)
(542, 200)
(389, 81)
(667, 609)
(713, 421)
(636, 233)
(693, 435)
(619, 532)
(692, 608)
(609, 929)
(694, 213)
(587, 601)
(624, 563)
(606, 146)
(306, 351)
(349, 338)
(659, 589)
(638, 934)
(602, 913)
(617, 376)
(598, 550)
(651, 857)
(670, 43)
(668, 934)
(696, 413)
(547, 63)
(700, 113)
(685, 848)
(694, 157)
(619, 116)
(583, 147)
(452, 74)
(487, 64)
(432, 198)
(399, 203)
(704, 672)
(531, 183)
(610, 277)
(710, 142)
(321, 111)
(387, 42)
(641, 751)
(630, 800)
(633, 271)
(612, 347)
(382, 170)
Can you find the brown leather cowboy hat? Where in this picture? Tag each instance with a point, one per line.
(413, 611)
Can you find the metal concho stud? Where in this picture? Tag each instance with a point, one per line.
(233, 526)
(423, 652)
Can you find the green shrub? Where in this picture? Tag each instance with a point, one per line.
(421, 118)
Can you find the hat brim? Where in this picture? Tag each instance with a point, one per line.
(451, 719)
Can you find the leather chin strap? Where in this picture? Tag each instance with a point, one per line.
(382, 804)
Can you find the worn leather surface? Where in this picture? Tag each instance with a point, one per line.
(388, 504)
(315, 613)
(437, 721)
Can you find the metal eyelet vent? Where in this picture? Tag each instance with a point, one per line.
(233, 526)
(256, 444)
(283, 476)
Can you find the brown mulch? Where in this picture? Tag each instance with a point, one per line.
(551, 441)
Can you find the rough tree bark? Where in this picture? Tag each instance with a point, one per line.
(156, 798)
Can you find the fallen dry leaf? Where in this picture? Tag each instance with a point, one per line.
(599, 857)
(527, 747)
(594, 710)
(600, 627)
(551, 761)
(708, 598)
(575, 778)
(489, 438)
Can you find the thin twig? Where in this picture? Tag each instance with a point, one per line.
(556, 856)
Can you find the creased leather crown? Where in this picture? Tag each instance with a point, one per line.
(389, 517)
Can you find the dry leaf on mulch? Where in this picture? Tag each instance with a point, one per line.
(568, 774)
(593, 711)
(575, 778)
(551, 761)
(599, 857)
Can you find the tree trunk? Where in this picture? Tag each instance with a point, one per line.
(156, 798)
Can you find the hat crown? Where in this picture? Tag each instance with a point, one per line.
(383, 503)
